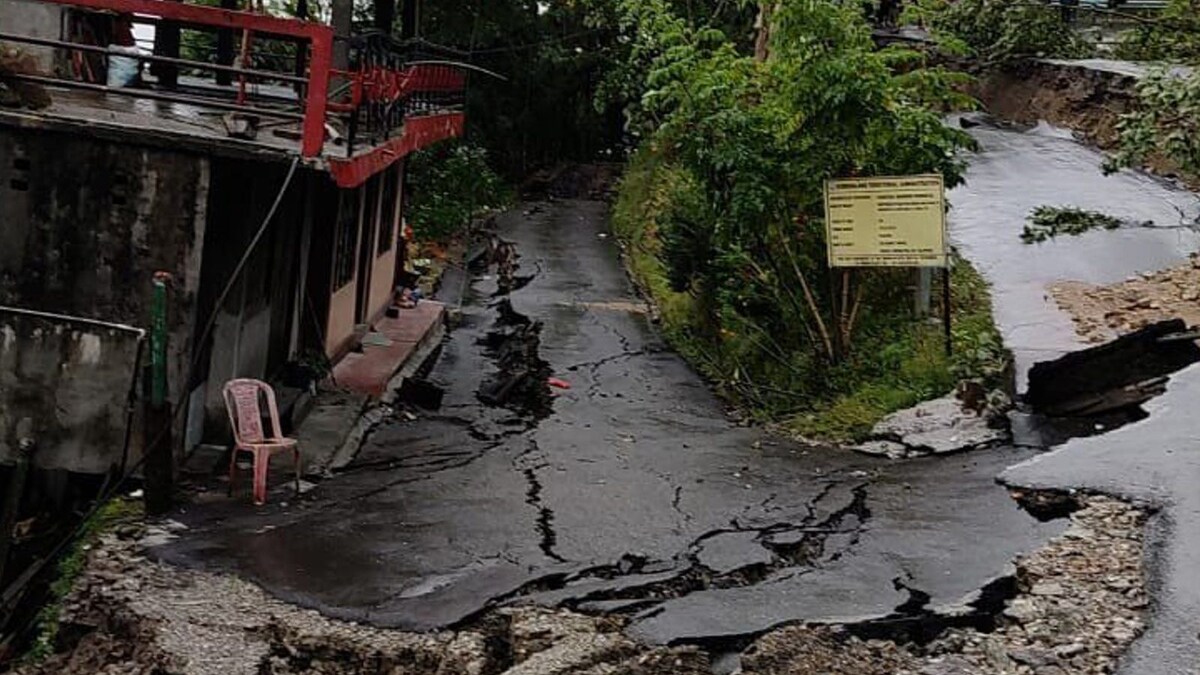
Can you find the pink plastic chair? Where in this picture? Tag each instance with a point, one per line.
(245, 418)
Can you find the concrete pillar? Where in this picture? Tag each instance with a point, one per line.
(342, 19)
(225, 46)
(410, 18)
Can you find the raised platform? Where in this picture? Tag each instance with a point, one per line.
(387, 348)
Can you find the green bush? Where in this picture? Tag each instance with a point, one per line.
(1001, 31)
(115, 512)
(448, 185)
(895, 360)
(722, 208)
(1174, 35)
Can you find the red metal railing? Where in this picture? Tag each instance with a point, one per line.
(384, 90)
(319, 39)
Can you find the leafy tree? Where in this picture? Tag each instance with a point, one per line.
(1165, 124)
(448, 185)
(1174, 35)
(758, 138)
(1000, 31)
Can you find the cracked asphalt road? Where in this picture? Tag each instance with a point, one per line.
(1152, 461)
(634, 494)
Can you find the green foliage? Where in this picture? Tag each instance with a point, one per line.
(1174, 35)
(722, 208)
(1000, 31)
(1047, 222)
(116, 512)
(1166, 123)
(554, 57)
(449, 184)
(896, 361)
(267, 53)
(907, 365)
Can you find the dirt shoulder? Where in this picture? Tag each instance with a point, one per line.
(1102, 313)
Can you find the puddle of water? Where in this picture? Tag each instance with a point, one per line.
(1016, 171)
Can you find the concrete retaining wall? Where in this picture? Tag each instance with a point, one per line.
(84, 225)
(72, 383)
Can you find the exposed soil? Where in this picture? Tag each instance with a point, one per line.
(1087, 101)
(1102, 313)
(1080, 602)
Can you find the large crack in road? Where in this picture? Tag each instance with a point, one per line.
(630, 492)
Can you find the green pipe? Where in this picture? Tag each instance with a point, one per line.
(158, 343)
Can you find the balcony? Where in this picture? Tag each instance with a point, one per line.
(243, 83)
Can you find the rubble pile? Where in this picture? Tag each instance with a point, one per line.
(1101, 313)
(801, 650)
(941, 426)
(128, 614)
(1080, 604)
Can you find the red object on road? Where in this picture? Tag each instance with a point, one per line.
(561, 384)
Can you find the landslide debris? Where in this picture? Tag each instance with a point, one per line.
(1101, 313)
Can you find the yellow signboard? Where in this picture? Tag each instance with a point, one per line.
(886, 221)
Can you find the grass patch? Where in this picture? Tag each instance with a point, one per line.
(896, 360)
(1047, 222)
(916, 367)
(116, 512)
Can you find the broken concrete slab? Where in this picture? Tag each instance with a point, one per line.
(595, 589)
(328, 425)
(939, 426)
(1123, 373)
(728, 552)
(444, 516)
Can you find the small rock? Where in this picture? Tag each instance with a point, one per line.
(1047, 588)
(889, 449)
(1021, 610)
(1122, 634)
(1071, 650)
(1030, 656)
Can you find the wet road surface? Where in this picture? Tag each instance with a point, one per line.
(1015, 172)
(1155, 461)
(633, 493)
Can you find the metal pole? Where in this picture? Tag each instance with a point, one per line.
(924, 292)
(166, 43)
(225, 46)
(157, 96)
(160, 464)
(835, 321)
(946, 309)
(409, 16)
(265, 75)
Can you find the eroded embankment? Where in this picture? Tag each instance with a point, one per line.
(1088, 97)
(1077, 605)
(1086, 100)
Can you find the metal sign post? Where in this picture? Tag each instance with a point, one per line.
(889, 221)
